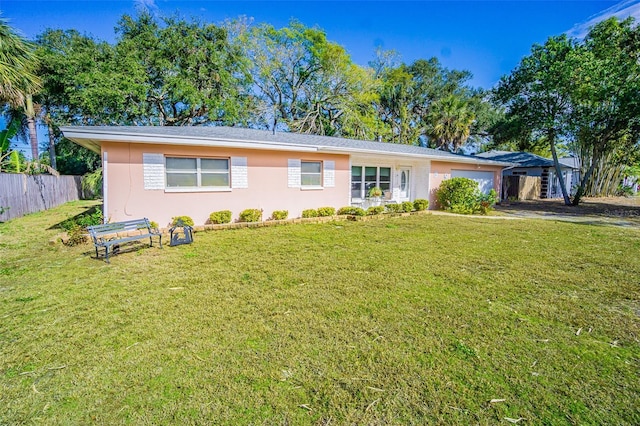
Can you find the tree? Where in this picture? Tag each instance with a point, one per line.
(537, 95)
(449, 122)
(18, 81)
(585, 94)
(181, 72)
(17, 63)
(606, 113)
(396, 106)
(307, 84)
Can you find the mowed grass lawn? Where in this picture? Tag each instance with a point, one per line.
(409, 320)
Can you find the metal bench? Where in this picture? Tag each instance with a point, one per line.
(113, 234)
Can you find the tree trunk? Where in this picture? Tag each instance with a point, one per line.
(556, 163)
(31, 124)
(33, 138)
(52, 147)
(583, 183)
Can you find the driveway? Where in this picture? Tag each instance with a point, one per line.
(615, 211)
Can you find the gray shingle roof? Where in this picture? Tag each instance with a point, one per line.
(522, 159)
(209, 133)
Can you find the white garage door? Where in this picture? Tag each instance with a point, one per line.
(484, 179)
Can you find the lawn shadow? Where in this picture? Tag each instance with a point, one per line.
(124, 248)
(88, 212)
(614, 207)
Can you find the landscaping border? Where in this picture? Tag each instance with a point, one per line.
(62, 238)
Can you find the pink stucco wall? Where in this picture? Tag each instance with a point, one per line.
(441, 171)
(268, 188)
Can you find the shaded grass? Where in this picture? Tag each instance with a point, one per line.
(416, 320)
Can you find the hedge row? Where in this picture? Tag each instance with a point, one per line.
(255, 215)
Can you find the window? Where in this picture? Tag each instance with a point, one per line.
(367, 177)
(311, 173)
(197, 172)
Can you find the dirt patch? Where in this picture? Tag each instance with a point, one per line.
(627, 208)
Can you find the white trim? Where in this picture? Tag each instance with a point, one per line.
(198, 189)
(92, 138)
(105, 187)
(97, 136)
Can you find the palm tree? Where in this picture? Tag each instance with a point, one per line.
(449, 122)
(18, 81)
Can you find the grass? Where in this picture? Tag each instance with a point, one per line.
(409, 320)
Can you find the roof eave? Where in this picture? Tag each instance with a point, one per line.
(97, 137)
(92, 139)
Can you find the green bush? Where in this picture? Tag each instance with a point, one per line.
(223, 216)
(420, 204)
(375, 192)
(280, 214)
(487, 201)
(92, 217)
(251, 215)
(622, 191)
(461, 195)
(407, 206)
(326, 211)
(310, 213)
(182, 220)
(375, 210)
(393, 208)
(154, 225)
(77, 235)
(350, 210)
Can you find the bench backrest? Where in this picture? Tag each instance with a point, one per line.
(97, 231)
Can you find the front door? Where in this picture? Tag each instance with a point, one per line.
(405, 184)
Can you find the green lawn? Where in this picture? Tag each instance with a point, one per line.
(408, 320)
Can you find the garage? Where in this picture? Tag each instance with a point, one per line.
(484, 179)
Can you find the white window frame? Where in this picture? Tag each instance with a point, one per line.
(363, 182)
(198, 187)
(320, 174)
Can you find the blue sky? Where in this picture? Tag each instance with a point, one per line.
(487, 38)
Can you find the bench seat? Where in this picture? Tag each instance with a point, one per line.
(112, 234)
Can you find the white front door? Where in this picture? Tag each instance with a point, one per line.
(404, 183)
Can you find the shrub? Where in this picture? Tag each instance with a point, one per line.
(461, 195)
(181, 221)
(420, 204)
(375, 192)
(77, 235)
(458, 195)
(407, 206)
(310, 213)
(622, 191)
(251, 215)
(393, 208)
(326, 211)
(223, 216)
(154, 225)
(375, 210)
(353, 211)
(487, 201)
(280, 214)
(91, 217)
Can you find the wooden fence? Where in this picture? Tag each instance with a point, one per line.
(21, 194)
